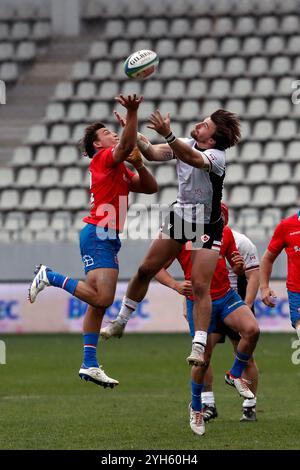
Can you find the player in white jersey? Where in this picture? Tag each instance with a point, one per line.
(195, 217)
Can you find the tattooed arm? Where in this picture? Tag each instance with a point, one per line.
(157, 153)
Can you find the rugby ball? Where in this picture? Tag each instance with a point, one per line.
(141, 64)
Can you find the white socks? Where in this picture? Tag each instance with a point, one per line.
(298, 331)
(200, 337)
(208, 398)
(128, 306)
(249, 403)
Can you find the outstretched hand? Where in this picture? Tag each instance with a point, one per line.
(159, 123)
(130, 102)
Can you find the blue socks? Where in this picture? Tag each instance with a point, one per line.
(90, 341)
(64, 282)
(240, 363)
(196, 396)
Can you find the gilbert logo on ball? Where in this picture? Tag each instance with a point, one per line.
(141, 64)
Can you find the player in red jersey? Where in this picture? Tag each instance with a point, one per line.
(228, 308)
(110, 184)
(286, 236)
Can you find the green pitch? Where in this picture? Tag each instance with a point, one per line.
(44, 404)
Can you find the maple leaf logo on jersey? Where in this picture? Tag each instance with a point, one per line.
(205, 238)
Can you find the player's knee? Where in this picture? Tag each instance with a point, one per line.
(103, 300)
(200, 288)
(253, 332)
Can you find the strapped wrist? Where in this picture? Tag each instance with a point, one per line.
(170, 138)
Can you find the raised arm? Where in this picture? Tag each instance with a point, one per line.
(183, 151)
(128, 136)
(144, 181)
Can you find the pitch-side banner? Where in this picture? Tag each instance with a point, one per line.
(161, 311)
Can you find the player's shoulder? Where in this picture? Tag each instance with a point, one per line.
(242, 240)
(217, 157)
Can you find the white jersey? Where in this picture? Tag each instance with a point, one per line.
(200, 187)
(248, 251)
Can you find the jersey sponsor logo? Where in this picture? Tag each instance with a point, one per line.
(295, 233)
(205, 238)
(88, 260)
(170, 226)
(253, 258)
(296, 249)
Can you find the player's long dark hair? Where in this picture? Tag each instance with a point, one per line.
(86, 144)
(228, 131)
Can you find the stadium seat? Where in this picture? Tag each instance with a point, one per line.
(264, 86)
(136, 29)
(263, 196)
(37, 134)
(64, 91)
(223, 26)
(157, 28)
(270, 217)
(26, 51)
(67, 155)
(241, 88)
(77, 199)
(245, 26)
(229, 47)
(46, 235)
(179, 28)
(196, 88)
(108, 90)
(54, 199)
(168, 196)
(81, 71)
(186, 48)
(86, 91)
(273, 151)
(213, 67)
(284, 86)
(61, 220)
(77, 112)
(256, 233)
(140, 44)
(293, 45)
(280, 173)
(257, 107)
(169, 106)
(286, 130)
(239, 197)
(38, 221)
(190, 110)
(235, 173)
(130, 87)
(9, 199)
(220, 88)
(9, 72)
(257, 67)
(6, 177)
(153, 89)
(41, 31)
(251, 151)
(296, 174)
(55, 112)
(290, 24)
(103, 69)
(257, 174)
(252, 46)
(274, 45)
(114, 29)
(31, 199)
(98, 50)
(15, 221)
(49, 177)
(20, 30)
(71, 177)
(293, 151)
(236, 66)
(59, 134)
(280, 107)
(280, 65)
(267, 26)
(45, 156)
(263, 129)
(202, 27)
(236, 106)
(27, 177)
(287, 196)
(120, 48)
(248, 218)
(207, 47)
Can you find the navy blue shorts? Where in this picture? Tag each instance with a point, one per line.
(99, 247)
(294, 302)
(221, 308)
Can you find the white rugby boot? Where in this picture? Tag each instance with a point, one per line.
(98, 376)
(240, 385)
(40, 281)
(196, 421)
(196, 358)
(114, 328)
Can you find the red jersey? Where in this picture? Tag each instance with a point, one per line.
(109, 188)
(220, 283)
(287, 236)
